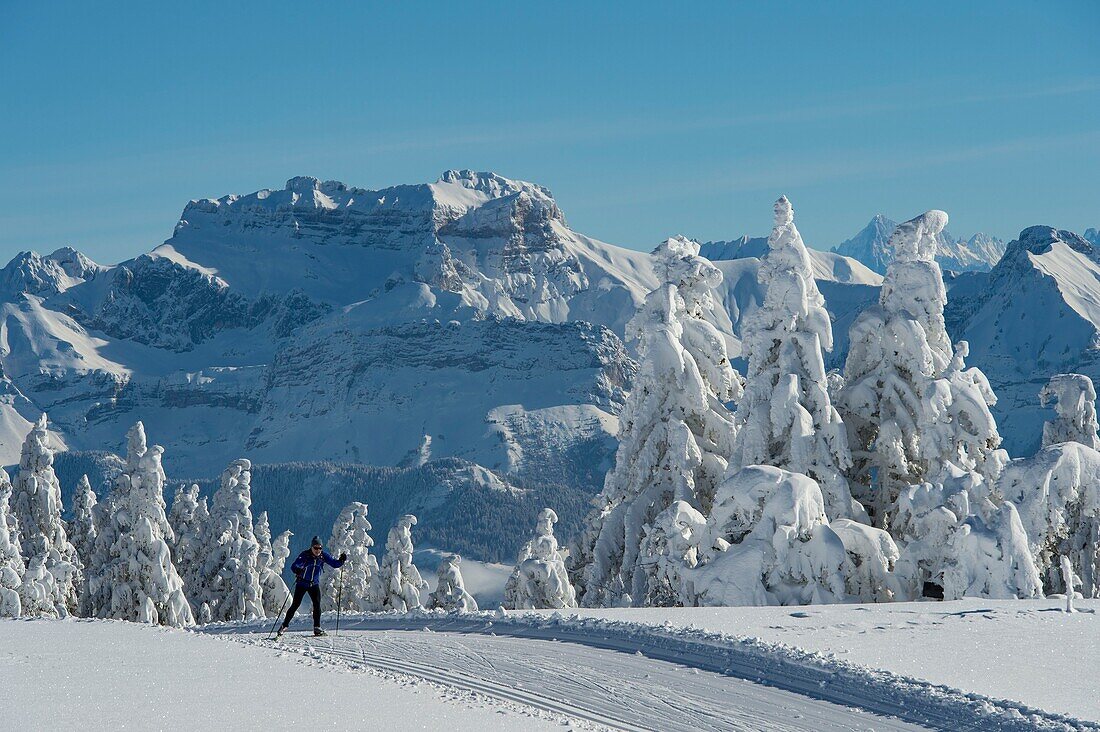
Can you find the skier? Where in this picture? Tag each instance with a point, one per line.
(307, 568)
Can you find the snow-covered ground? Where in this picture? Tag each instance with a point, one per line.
(109, 675)
(1028, 651)
(971, 664)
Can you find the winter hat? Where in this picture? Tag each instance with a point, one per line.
(316, 542)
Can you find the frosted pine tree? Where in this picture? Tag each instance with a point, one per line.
(1057, 492)
(12, 567)
(670, 547)
(398, 584)
(786, 418)
(83, 531)
(915, 412)
(38, 592)
(82, 527)
(135, 577)
(36, 503)
(231, 571)
(963, 551)
(768, 542)
(1074, 399)
(450, 590)
(540, 580)
(675, 430)
(272, 561)
(350, 536)
(190, 519)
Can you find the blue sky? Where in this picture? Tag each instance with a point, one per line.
(645, 120)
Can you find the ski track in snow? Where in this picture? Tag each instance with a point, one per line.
(625, 676)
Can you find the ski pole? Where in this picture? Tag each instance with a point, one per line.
(339, 598)
(278, 616)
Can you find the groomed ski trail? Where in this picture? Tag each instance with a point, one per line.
(620, 691)
(628, 676)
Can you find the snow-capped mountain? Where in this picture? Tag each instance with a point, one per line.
(870, 246)
(460, 321)
(1036, 314)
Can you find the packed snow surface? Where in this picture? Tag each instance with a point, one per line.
(1026, 651)
(115, 675)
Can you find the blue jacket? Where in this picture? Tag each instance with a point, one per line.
(308, 568)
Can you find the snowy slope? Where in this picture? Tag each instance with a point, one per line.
(870, 246)
(1037, 314)
(827, 266)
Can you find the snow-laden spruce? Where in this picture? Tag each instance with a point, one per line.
(540, 580)
(914, 412)
(83, 530)
(36, 503)
(675, 431)
(450, 590)
(272, 562)
(82, 527)
(189, 518)
(352, 583)
(398, 584)
(135, 577)
(768, 541)
(1057, 492)
(1074, 399)
(670, 547)
(231, 571)
(979, 551)
(786, 418)
(12, 567)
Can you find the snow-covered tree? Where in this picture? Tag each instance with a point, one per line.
(231, 571)
(540, 580)
(39, 592)
(190, 519)
(670, 548)
(135, 578)
(82, 527)
(768, 542)
(36, 503)
(675, 430)
(1057, 492)
(83, 530)
(450, 591)
(350, 536)
(962, 433)
(12, 566)
(1074, 399)
(272, 561)
(786, 418)
(981, 552)
(914, 412)
(398, 583)
(872, 557)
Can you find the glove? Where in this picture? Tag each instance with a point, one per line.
(343, 556)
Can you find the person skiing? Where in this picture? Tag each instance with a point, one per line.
(307, 568)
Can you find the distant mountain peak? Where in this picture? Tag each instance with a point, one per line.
(36, 274)
(871, 246)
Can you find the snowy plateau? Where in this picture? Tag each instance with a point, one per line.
(747, 484)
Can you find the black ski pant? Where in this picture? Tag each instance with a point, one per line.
(314, 596)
